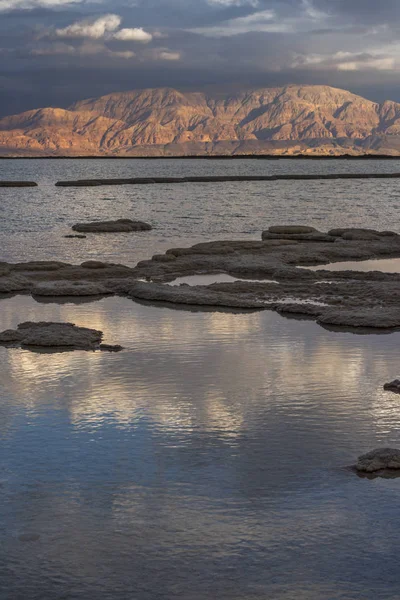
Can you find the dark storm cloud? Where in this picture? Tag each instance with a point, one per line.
(53, 52)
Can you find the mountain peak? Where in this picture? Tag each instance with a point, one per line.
(290, 119)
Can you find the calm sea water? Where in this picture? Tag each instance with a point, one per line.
(207, 459)
(33, 221)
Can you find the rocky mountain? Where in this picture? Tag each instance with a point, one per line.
(289, 120)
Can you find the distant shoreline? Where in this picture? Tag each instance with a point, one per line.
(212, 157)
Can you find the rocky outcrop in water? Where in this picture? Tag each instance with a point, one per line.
(52, 335)
(119, 226)
(359, 301)
(393, 386)
(18, 184)
(378, 460)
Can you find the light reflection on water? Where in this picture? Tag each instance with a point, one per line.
(385, 265)
(203, 461)
(215, 278)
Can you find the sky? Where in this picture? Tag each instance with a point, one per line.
(54, 52)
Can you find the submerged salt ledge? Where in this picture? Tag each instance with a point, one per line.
(347, 298)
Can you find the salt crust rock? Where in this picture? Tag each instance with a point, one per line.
(53, 335)
(42, 265)
(70, 288)
(4, 269)
(195, 295)
(300, 237)
(353, 299)
(379, 459)
(382, 318)
(14, 283)
(291, 229)
(121, 225)
(94, 264)
(393, 386)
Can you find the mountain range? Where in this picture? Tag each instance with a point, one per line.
(291, 120)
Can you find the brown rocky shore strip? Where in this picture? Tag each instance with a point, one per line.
(223, 178)
(268, 269)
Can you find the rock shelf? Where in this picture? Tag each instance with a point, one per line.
(358, 301)
(393, 386)
(18, 184)
(55, 336)
(52, 335)
(119, 226)
(379, 460)
(222, 178)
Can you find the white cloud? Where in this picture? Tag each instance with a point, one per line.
(89, 28)
(9, 5)
(227, 3)
(53, 50)
(126, 54)
(168, 55)
(264, 20)
(86, 49)
(376, 64)
(133, 35)
(346, 61)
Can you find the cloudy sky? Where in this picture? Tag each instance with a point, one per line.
(53, 52)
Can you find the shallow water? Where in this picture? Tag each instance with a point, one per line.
(33, 221)
(204, 461)
(214, 278)
(207, 459)
(385, 265)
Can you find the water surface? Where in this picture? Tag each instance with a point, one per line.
(206, 460)
(33, 221)
(385, 265)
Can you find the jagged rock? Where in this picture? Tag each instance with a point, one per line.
(53, 335)
(393, 386)
(119, 226)
(379, 459)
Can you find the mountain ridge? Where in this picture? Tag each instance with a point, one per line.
(289, 120)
